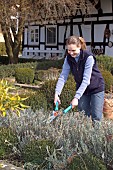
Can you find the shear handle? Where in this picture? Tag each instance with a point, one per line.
(56, 106)
(67, 109)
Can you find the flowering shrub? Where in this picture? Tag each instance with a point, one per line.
(9, 102)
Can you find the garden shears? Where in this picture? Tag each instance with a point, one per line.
(56, 113)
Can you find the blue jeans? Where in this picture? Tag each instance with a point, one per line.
(92, 105)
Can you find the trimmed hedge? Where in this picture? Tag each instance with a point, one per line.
(9, 70)
(36, 100)
(108, 78)
(46, 64)
(24, 75)
(50, 74)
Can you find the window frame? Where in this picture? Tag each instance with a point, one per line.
(29, 35)
(51, 26)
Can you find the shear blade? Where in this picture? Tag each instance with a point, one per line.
(52, 117)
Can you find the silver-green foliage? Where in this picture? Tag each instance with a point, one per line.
(71, 133)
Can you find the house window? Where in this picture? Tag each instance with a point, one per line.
(51, 35)
(33, 35)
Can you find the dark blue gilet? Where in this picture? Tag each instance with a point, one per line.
(77, 68)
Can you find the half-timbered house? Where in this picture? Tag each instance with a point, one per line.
(49, 40)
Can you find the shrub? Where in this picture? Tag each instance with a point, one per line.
(9, 102)
(7, 141)
(108, 78)
(105, 62)
(9, 70)
(31, 65)
(46, 64)
(72, 133)
(36, 100)
(86, 161)
(24, 75)
(36, 151)
(48, 88)
(67, 94)
(50, 74)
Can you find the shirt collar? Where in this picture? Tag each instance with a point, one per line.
(77, 57)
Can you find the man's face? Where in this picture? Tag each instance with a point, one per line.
(73, 50)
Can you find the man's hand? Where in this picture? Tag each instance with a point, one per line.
(57, 99)
(74, 102)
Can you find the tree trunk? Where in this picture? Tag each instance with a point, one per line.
(12, 51)
(12, 42)
(13, 59)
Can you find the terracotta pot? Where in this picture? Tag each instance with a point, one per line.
(108, 109)
(108, 115)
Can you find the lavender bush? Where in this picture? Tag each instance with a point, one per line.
(71, 133)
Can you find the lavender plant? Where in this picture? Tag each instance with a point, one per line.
(71, 133)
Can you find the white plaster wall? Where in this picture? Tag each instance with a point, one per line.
(86, 30)
(60, 47)
(109, 51)
(106, 6)
(42, 47)
(76, 30)
(25, 36)
(68, 32)
(99, 32)
(61, 33)
(42, 34)
(111, 29)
